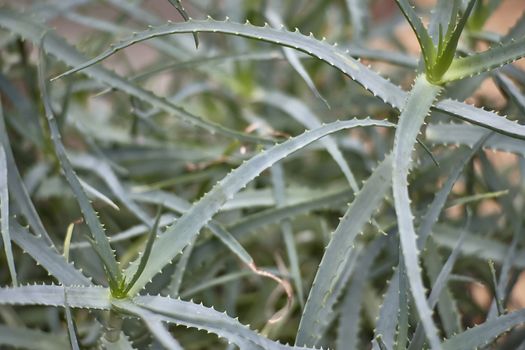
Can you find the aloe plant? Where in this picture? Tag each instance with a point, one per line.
(159, 214)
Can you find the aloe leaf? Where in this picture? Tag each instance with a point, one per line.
(511, 90)
(386, 324)
(437, 288)
(385, 90)
(486, 332)
(309, 45)
(26, 338)
(317, 310)
(438, 203)
(132, 232)
(341, 284)
(359, 17)
(4, 216)
(97, 231)
(147, 251)
(70, 325)
(180, 9)
(50, 295)
(26, 120)
(201, 212)
(178, 274)
(58, 47)
(16, 185)
(463, 134)
(412, 117)
(487, 60)
(105, 173)
(477, 247)
(301, 113)
(181, 206)
(93, 193)
(154, 324)
(425, 41)
(481, 13)
(496, 182)
(446, 56)
(404, 308)
(198, 316)
(291, 56)
(277, 174)
(447, 306)
(481, 117)
(47, 256)
(253, 222)
(441, 16)
(348, 327)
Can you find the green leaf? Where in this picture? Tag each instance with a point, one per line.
(487, 60)
(189, 225)
(26, 338)
(475, 246)
(198, 316)
(425, 41)
(180, 9)
(50, 295)
(18, 189)
(302, 114)
(178, 274)
(4, 215)
(438, 203)
(386, 324)
(445, 57)
(93, 193)
(279, 190)
(486, 332)
(441, 16)
(412, 117)
(463, 134)
(380, 87)
(291, 56)
(181, 206)
(510, 89)
(438, 285)
(404, 308)
(147, 251)
(70, 324)
(359, 17)
(314, 320)
(104, 171)
(47, 256)
(97, 231)
(349, 320)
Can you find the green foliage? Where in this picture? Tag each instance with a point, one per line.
(295, 188)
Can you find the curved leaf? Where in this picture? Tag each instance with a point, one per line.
(97, 231)
(317, 310)
(198, 316)
(47, 256)
(486, 332)
(181, 233)
(378, 86)
(416, 109)
(482, 62)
